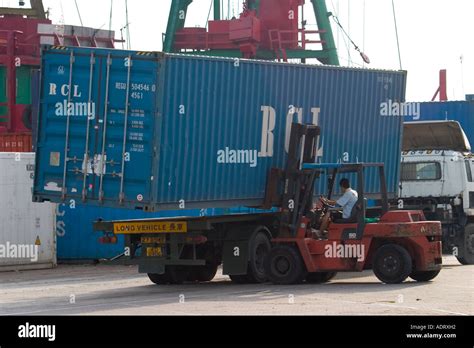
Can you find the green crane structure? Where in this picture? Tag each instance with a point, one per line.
(326, 55)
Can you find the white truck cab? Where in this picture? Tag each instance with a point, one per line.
(437, 176)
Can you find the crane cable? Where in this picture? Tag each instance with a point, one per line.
(362, 54)
(79, 13)
(209, 14)
(111, 15)
(129, 44)
(396, 32)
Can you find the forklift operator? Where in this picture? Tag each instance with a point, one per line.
(347, 201)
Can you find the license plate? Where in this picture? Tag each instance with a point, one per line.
(153, 240)
(154, 252)
(150, 227)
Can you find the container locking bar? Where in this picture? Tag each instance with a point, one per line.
(68, 124)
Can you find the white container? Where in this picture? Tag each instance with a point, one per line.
(27, 229)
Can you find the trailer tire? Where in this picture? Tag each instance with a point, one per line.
(320, 277)
(392, 264)
(424, 276)
(259, 247)
(467, 257)
(204, 273)
(284, 266)
(178, 274)
(159, 279)
(239, 279)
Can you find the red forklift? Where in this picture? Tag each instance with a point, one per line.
(309, 247)
(287, 242)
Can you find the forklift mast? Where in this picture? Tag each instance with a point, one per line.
(266, 29)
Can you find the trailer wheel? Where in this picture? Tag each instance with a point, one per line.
(424, 276)
(320, 277)
(467, 246)
(284, 266)
(204, 273)
(178, 274)
(259, 248)
(239, 279)
(392, 264)
(159, 279)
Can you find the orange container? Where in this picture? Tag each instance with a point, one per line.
(13, 142)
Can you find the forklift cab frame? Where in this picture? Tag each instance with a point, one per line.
(333, 169)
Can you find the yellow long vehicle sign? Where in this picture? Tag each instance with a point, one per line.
(150, 227)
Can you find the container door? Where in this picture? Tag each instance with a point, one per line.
(96, 127)
(123, 157)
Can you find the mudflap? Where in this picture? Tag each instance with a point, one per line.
(235, 257)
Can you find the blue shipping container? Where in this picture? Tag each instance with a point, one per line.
(156, 131)
(461, 111)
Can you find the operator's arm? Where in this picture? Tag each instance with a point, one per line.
(343, 200)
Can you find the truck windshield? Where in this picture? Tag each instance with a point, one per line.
(421, 171)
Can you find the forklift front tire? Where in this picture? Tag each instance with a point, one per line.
(424, 276)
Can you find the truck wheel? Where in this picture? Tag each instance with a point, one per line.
(259, 248)
(320, 277)
(467, 246)
(424, 276)
(239, 279)
(204, 273)
(284, 266)
(159, 279)
(178, 274)
(392, 264)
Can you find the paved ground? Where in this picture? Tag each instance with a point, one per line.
(119, 290)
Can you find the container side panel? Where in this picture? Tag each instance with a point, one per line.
(225, 126)
(24, 224)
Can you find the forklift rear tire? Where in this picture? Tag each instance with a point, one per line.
(320, 277)
(159, 279)
(284, 266)
(424, 276)
(392, 264)
(467, 246)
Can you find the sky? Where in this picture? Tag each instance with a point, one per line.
(433, 34)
